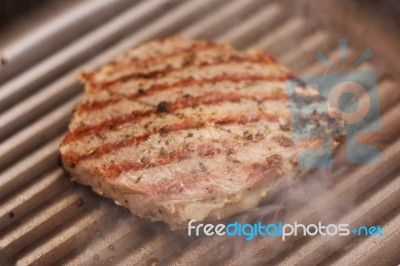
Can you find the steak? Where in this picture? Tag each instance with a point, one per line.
(179, 129)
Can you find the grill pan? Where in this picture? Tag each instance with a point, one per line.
(47, 219)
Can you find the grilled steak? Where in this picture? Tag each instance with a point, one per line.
(178, 129)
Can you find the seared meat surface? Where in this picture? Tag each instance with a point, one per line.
(179, 129)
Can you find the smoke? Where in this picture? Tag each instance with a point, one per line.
(296, 197)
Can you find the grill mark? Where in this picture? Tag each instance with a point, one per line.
(181, 103)
(89, 76)
(98, 105)
(207, 150)
(178, 54)
(185, 125)
(233, 58)
(197, 46)
(186, 152)
(178, 155)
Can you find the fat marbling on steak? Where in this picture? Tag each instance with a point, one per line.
(179, 129)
